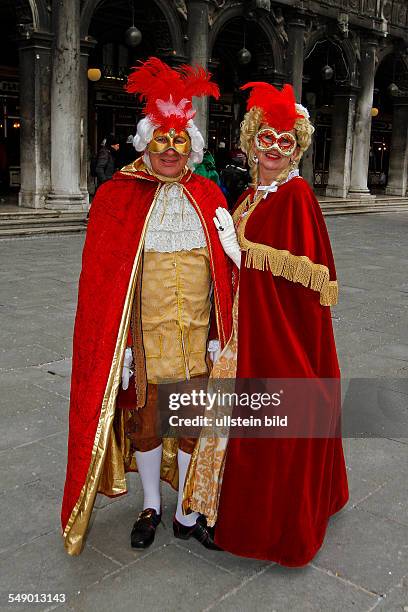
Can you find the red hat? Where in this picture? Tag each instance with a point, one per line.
(279, 107)
(168, 92)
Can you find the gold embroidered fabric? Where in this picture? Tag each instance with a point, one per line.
(295, 268)
(204, 479)
(175, 312)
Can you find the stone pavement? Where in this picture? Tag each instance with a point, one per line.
(363, 564)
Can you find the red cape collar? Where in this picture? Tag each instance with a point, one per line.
(138, 170)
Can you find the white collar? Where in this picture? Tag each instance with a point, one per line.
(274, 186)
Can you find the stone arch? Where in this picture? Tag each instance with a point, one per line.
(264, 24)
(41, 15)
(392, 50)
(165, 7)
(344, 44)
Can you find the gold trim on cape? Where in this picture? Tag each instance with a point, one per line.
(75, 529)
(295, 268)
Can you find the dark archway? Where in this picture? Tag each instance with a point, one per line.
(227, 38)
(391, 80)
(18, 18)
(111, 110)
(167, 12)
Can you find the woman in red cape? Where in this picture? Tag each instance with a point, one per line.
(277, 494)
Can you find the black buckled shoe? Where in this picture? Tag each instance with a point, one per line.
(144, 529)
(200, 531)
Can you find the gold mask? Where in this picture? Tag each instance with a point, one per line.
(163, 141)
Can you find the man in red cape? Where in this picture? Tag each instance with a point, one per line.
(150, 259)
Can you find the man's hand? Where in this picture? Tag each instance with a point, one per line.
(228, 238)
(214, 350)
(127, 372)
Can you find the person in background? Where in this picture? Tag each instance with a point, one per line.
(221, 156)
(127, 153)
(235, 176)
(207, 168)
(106, 162)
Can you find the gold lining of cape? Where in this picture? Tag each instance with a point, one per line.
(78, 521)
(295, 268)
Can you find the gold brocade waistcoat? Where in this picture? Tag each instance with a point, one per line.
(175, 312)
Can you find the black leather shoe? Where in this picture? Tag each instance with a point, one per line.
(200, 531)
(144, 529)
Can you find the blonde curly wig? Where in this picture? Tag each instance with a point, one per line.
(251, 124)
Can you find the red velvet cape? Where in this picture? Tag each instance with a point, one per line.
(277, 494)
(114, 231)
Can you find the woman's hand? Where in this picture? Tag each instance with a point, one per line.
(226, 232)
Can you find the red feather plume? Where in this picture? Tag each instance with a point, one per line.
(167, 92)
(279, 107)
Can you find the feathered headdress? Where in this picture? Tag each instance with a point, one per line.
(279, 107)
(167, 92)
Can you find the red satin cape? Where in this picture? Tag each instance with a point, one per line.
(115, 228)
(278, 494)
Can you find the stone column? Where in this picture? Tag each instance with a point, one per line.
(341, 142)
(398, 169)
(295, 52)
(35, 80)
(362, 127)
(86, 47)
(65, 109)
(197, 32)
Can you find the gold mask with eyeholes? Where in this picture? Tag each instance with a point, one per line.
(163, 141)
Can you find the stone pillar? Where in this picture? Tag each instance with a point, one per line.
(65, 109)
(35, 80)
(362, 127)
(197, 32)
(86, 47)
(341, 142)
(295, 52)
(398, 169)
(306, 164)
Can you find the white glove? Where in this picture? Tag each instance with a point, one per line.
(214, 350)
(127, 372)
(226, 232)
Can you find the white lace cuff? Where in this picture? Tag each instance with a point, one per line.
(213, 345)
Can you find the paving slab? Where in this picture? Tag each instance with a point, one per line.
(166, 579)
(29, 511)
(396, 600)
(308, 589)
(42, 566)
(371, 463)
(391, 500)
(29, 464)
(367, 550)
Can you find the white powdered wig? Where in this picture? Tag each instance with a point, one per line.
(302, 110)
(144, 135)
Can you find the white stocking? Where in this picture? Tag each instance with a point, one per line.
(183, 462)
(148, 464)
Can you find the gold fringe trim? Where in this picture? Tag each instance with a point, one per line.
(295, 268)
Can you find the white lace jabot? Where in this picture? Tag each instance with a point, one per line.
(274, 185)
(174, 224)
